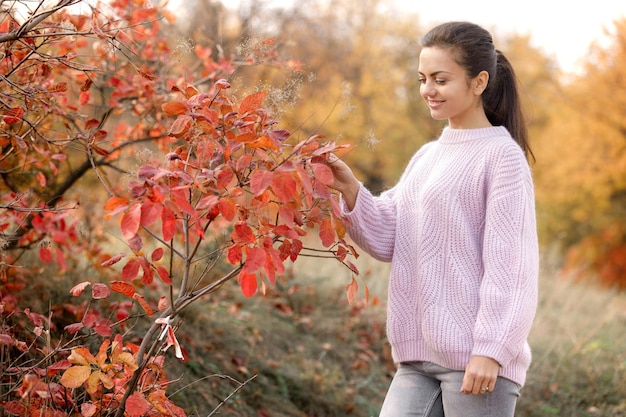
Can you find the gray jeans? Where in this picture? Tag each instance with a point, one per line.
(423, 389)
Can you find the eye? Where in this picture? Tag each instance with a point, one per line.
(422, 80)
(440, 81)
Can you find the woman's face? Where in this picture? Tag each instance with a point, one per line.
(448, 92)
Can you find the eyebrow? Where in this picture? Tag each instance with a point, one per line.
(434, 74)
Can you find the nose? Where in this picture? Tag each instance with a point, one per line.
(427, 89)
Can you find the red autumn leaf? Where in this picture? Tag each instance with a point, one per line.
(351, 290)
(235, 254)
(74, 327)
(84, 98)
(259, 181)
(248, 283)
(174, 107)
(131, 269)
(207, 202)
(15, 408)
(227, 207)
(184, 206)
(88, 409)
(323, 173)
(13, 115)
(284, 185)
(123, 288)
(77, 290)
(131, 221)
(252, 103)
(168, 224)
(157, 254)
(244, 233)
(41, 179)
(45, 254)
(224, 177)
(103, 330)
(181, 125)
(113, 260)
(150, 212)
(163, 274)
(327, 232)
(89, 320)
(100, 291)
(255, 259)
(137, 405)
(243, 162)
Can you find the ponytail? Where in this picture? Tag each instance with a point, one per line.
(502, 104)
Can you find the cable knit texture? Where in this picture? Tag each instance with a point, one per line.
(459, 230)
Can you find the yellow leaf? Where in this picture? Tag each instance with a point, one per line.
(75, 376)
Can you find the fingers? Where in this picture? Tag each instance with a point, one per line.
(478, 386)
(480, 376)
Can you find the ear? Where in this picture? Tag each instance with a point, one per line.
(479, 83)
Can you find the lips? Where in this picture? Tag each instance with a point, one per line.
(435, 104)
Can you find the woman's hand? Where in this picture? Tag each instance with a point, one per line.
(345, 181)
(481, 374)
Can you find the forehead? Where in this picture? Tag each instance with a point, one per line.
(435, 59)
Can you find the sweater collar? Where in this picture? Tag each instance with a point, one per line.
(451, 136)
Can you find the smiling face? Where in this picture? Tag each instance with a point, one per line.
(448, 92)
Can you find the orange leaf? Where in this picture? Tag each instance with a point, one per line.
(142, 302)
(75, 376)
(252, 103)
(174, 107)
(181, 125)
(327, 233)
(227, 207)
(115, 202)
(351, 290)
(123, 288)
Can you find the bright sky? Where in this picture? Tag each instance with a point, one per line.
(562, 28)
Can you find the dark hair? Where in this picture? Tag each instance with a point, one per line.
(473, 49)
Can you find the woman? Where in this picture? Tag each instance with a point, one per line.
(459, 230)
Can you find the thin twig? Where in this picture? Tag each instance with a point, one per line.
(235, 391)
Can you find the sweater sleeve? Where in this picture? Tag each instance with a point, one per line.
(508, 292)
(372, 223)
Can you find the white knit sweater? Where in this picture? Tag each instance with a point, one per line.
(459, 230)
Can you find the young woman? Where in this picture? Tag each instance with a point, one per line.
(459, 230)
